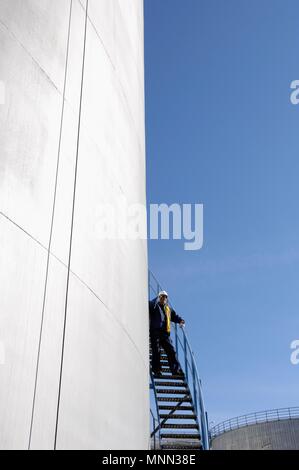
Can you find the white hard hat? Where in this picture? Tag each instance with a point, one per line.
(163, 292)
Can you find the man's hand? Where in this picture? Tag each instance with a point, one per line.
(182, 324)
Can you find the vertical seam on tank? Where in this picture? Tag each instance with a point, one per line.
(72, 228)
(51, 228)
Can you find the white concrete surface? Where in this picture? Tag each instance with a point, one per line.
(87, 389)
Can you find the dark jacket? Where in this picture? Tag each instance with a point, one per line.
(157, 318)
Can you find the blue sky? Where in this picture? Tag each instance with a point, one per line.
(221, 131)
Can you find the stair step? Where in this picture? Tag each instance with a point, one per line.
(181, 436)
(162, 356)
(177, 391)
(180, 408)
(179, 426)
(171, 377)
(176, 399)
(162, 363)
(167, 369)
(182, 416)
(170, 384)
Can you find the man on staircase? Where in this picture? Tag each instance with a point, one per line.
(161, 315)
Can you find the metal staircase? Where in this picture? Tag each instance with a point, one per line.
(179, 419)
(174, 397)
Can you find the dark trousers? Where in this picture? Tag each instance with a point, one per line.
(162, 338)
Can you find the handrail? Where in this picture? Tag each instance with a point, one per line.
(194, 384)
(277, 414)
(188, 364)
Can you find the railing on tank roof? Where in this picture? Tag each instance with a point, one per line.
(266, 416)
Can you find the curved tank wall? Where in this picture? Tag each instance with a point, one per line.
(74, 315)
(274, 435)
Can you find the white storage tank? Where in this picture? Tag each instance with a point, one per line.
(276, 429)
(74, 314)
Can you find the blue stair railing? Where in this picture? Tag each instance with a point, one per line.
(192, 381)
